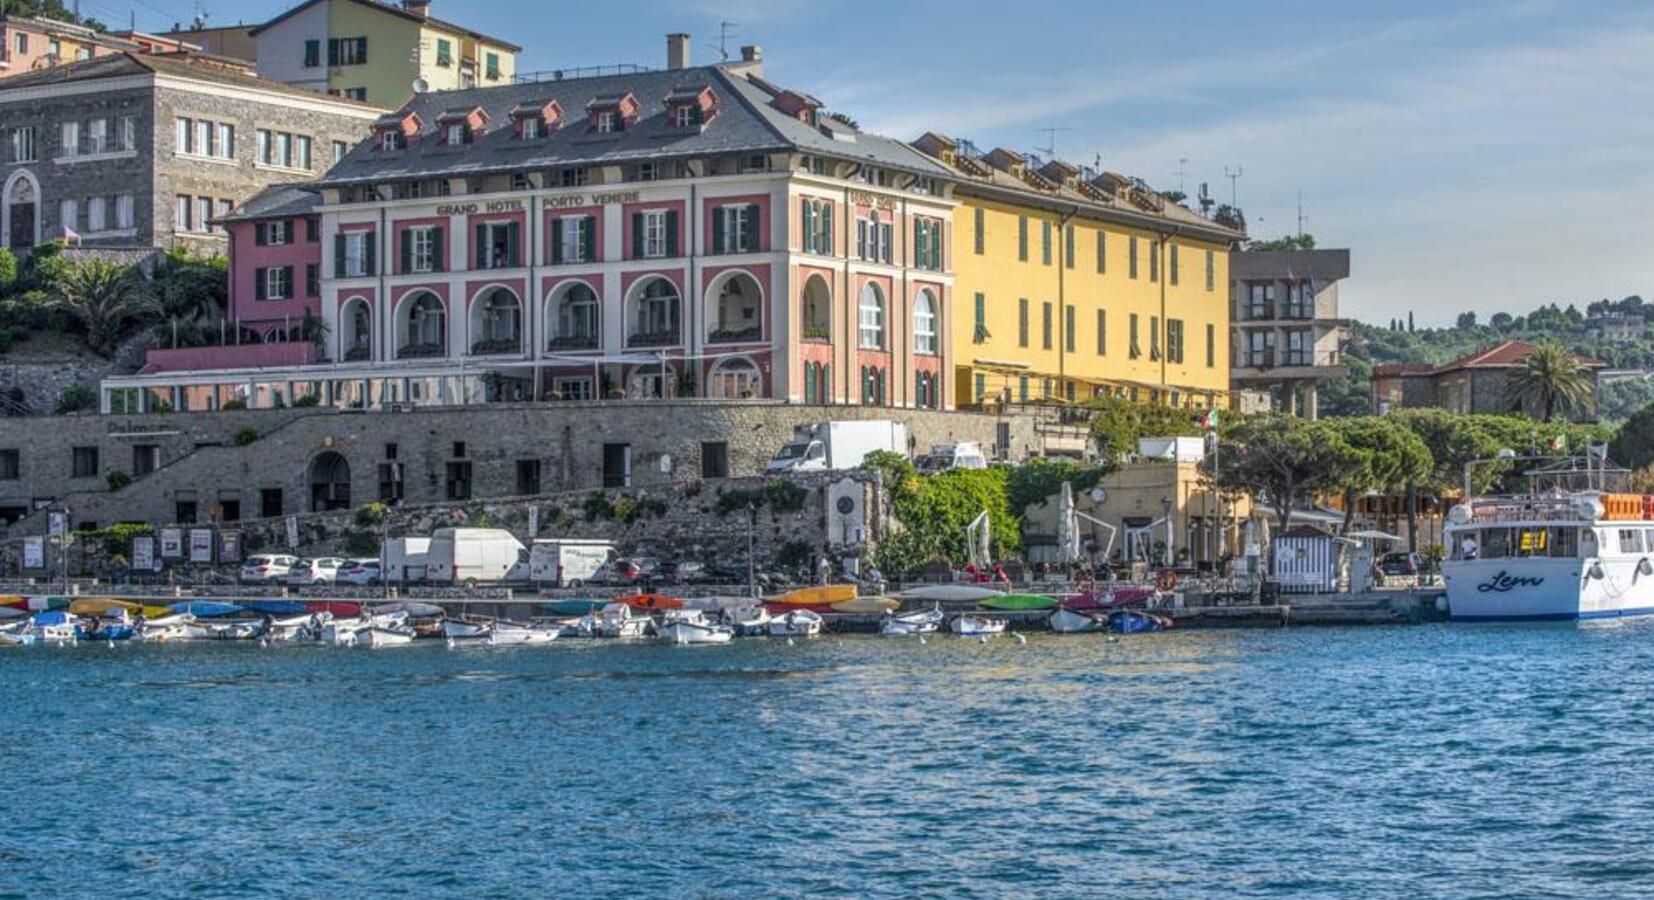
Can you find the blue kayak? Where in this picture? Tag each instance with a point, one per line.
(206, 609)
(56, 617)
(106, 632)
(275, 607)
(1130, 621)
(574, 607)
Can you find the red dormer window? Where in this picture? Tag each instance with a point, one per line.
(611, 113)
(536, 119)
(393, 132)
(691, 106)
(462, 125)
(802, 107)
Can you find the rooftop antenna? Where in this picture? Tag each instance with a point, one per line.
(1050, 148)
(725, 28)
(1233, 173)
(1301, 217)
(1182, 164)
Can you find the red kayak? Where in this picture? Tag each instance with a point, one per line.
(340, 609)
(781, 609)
(651, 601)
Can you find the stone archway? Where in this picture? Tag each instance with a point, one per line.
(20, 211)
(329, 482)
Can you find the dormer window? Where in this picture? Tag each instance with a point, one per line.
(461, 125)
(531, 128)
(683, 116)
(536, 118)
(457, 133)
(606, 122)
(392, 140)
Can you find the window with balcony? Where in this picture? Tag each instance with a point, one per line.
(1260, 349)
(497, 245)
(656, 315)
(422, 249)
(735, 229)
(575, 319)
(1260, 300)
(353, 254)
(573, 239)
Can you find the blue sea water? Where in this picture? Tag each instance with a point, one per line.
(1436, 761)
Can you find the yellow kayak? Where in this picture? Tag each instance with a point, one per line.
(97, 606)
(868, 605)
(822, 595)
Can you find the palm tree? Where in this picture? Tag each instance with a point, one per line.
(104, 297)
(1549, 379)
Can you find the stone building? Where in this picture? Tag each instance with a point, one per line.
(236, 465)
(1287, 332)
(138, 150)
(1474, 383)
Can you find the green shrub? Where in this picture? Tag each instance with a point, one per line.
(117, 538)
(246, 436)
(118, 480)
(597, 507)
(785, 497)
(361, 543)
(796, 554)
(307, 401)
(77, 397)
(736, 500)
(234, 404)
(371, 515)
(625, 509)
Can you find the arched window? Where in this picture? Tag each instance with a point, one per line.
(357, 339)
(497, 323)
(818, 306)
(871, 317)
(734, 377)
(655, 320)
(425, 330)
(576, 319)
(736, 311)
(924, 323)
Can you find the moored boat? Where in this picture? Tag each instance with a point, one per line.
(618, 621)
(797, 623)
(1066, 620)
(820, 595)
(924, 621)
(749, 620)
(950, 593)
(55, 627)
(867, 605)
(1019, 602)
(1132, 621)
(691, 626)
(650, 602)
(206, 609)
(976, 626)
(384, 636)
(505, 634)
(464, 629)
(574, 606)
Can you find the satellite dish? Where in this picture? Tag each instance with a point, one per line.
(1099, 496)
(420, 85)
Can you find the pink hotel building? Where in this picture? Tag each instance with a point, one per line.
(695, 232)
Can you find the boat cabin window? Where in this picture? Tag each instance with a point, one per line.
(1503, 543)
(1631, 540)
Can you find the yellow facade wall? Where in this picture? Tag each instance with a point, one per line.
(1003, 356)
(400, 50)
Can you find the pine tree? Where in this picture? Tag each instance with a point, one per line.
(1409, 321)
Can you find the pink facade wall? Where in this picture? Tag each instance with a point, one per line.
(394, 249)
(574, 212)
(521, 218)
(243, 356)
(246, 257)
(630, 209)
(762, 201)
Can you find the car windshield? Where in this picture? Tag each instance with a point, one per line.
(792, 451)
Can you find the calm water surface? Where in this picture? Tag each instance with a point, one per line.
(1434, 761)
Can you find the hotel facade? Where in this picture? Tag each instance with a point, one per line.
(692, 232)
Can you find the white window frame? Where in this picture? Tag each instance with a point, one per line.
(422, 249)
(340, 149)
(488, 236)
(68, 214)
(605, 121)
(96, 215)
(870, 319)
(654, 234)
(531, 127)
(226, 140)
(184, 210)
(736, 227)
(124, 217)
(574, 239)
(23, 146)
(70, 133)
(275, 284)
(683, 116)
(97, 136)
(303, 156)
(456, 134)
(203, 214)
(924, 323)
(356, 254)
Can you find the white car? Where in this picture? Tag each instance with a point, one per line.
(267, 569)
(316, 571)
(359, 572)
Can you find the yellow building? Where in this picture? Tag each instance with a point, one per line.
(1068, 287)
(377, 52)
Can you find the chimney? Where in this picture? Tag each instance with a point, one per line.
(752, 53)
(420, 8)
(677, 51)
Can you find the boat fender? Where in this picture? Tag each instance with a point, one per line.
(1644, 567)
(1595, 571)
(1165, 581)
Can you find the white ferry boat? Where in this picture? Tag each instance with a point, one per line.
(1563, 556)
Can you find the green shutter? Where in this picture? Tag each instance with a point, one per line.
(637, 235)
(754, 243)
(338, 256)
(370, 253)
(258, 284)
(720, 217)
(827, 228)
(672, 232)
(556, 241)
(438, 258)
(407, 252)
(482, 248)
(513, 243)
(260, 236)
(287, 279)
(588, 239)
(809, 227)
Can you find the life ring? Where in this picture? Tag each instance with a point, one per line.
(1165, 581)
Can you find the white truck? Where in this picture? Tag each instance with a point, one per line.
(962, 455)
(835, 446)
(405, 560)
(473, 556)
(567, 563)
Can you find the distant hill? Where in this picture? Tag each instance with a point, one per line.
(1397, 341)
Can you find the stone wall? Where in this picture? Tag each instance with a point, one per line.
(497, 447)
(42, 381)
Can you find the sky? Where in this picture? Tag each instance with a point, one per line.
(1480, 156)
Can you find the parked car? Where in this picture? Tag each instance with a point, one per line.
(316, 571)
(627, 572)
(1399, 563)
(359, 571)
(685, 572)
(267, 569)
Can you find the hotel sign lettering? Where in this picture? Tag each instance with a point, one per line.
(492, 206)
(570, 201)
(876, 201)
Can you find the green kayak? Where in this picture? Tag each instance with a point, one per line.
(1020, 601)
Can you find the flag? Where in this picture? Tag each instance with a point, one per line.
(1209, 420)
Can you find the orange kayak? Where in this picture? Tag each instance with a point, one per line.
(651, 601)
(821, 595)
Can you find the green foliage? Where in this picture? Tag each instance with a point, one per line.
(246, 436)
(796, 554)
(1633, 447)
(118, 480)
(360, 543)
(8, 271)
(1039, 479)
(625, 509)
(190, 288)
(1387, 457)
(785, 497)
(1283, 460)
(1289, 242)
(117, 538)
(597, 507)
(1549, 381)
(103, 297)
(75, 398)
(307, 401)
(935, 511)
(371, 515)
(234, 404)
(895, 467)
(1117, 424)
(735, 500)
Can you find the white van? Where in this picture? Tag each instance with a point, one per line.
(473, 556)
(405, 560)
(567, 563)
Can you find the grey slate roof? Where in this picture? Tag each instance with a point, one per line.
(190, 65)
(278, 201)
(745, 123)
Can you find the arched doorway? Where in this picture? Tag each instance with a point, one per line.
(654, 314)
(356, 331)
(734, 377)
(329, 482)
(423, 327)
(21, 210)
(818, 310)
(572, 316)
